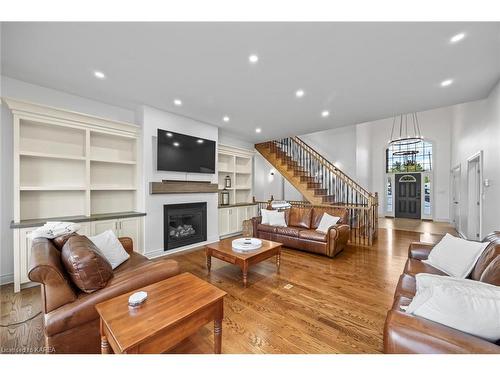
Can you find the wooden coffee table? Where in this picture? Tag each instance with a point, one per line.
(223, 250)
(175, 309)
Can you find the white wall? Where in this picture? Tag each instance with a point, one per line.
(28, 92)
(151, 120)
(476, 127)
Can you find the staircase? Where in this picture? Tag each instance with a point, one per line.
(323, 184)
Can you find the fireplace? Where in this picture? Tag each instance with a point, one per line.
(184, 224)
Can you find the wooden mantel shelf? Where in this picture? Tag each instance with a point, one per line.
(179, 187)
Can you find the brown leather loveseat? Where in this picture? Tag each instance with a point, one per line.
(300, 232)
(71, 322)
(405, 333)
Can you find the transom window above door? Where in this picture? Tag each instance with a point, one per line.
(409, 158)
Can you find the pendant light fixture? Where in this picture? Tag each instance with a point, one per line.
(405, 132)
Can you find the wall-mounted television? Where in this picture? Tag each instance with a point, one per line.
(183, 153)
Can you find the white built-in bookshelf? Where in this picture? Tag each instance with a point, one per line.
(72, 166)
(237, 164)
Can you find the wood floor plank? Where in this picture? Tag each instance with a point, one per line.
(333, 306)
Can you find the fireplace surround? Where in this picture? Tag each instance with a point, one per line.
(184, 224)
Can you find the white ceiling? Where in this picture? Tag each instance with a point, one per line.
(357, 71)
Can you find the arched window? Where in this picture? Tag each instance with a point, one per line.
(409, 158)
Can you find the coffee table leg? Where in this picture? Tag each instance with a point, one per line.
(104, 345)
(245, 274)
(278, 261)
(217, 336)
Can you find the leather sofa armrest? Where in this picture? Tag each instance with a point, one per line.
(83, 309)
(419, 250)
(46, 268)
(127, 244)
(407, 334)
(256, 221)
(337, 238)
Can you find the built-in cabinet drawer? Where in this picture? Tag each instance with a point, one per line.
(231, 218)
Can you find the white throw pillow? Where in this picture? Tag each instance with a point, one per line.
(265, 216)
(326, 222)
(277, 218)
(110, 248)
(455, 256)
(53, 229)
(466, 305)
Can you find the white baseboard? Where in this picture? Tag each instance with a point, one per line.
(6, 279)
(160, 252)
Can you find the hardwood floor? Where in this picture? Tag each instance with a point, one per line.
(333, 305)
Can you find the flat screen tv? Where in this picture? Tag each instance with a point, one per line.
(183, 153)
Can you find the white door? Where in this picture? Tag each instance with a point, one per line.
(455, 197)
(474, 198)
(130, 227)
(103, 225)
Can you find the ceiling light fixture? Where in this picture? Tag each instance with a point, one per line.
(177, 102)
(457, 38)
(299, 93)
(176, 144)
(99, 74)
(225, 119)
(253, 59)
(404, 134)
(325, 114)
(258, 130)
(446, 82)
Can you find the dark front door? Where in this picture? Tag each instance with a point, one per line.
(408, 195)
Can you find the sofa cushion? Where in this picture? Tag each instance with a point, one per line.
(414, 266)
(288, 231)
(135, 260)
(266, 228)
(300, 217)
(491, 252)
(317, 214)
(312, 235)
(88, 270)
(491, 274)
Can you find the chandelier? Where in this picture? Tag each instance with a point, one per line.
(405, 132)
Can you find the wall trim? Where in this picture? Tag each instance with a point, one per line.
(6, 279)
(160, 252)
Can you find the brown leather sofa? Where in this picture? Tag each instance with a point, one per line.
(300, 232)
(71, 323)
(405, 333)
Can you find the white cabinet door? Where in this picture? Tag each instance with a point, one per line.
(240, 218)
(103, 225)
(25, 253)
(130, 227)
(223, 221)
(233, 220)
(85, 229)
(251, 211)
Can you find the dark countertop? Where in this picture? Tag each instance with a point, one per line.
(236, 205)
(76, 219)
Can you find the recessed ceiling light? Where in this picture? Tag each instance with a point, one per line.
(299, 93)
(325, 114)
(446, 82)
(258, 130)
(457, 38)
(176, 144)
(199, 141)
(169, 135)
(225, 119)
(178, 102)
(253, 58)
(99, 74)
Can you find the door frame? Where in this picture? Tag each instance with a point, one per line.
(478, 156)
(458, 224)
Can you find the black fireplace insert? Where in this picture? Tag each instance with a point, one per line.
(184, 224)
